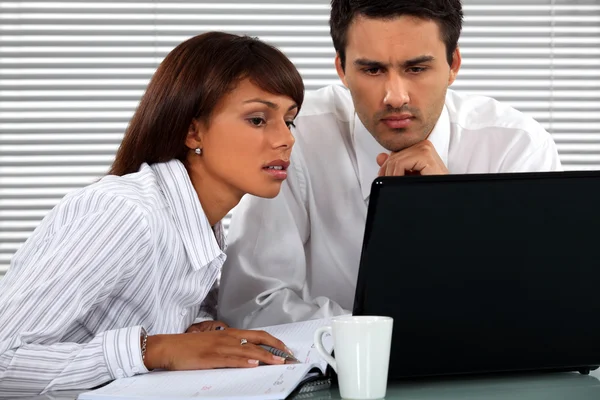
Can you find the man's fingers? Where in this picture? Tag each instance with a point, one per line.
(381, 159)
(398, 170)
(419, 159)
(404, 164)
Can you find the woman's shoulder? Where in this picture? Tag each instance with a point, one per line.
(138, 190)
(138, 193)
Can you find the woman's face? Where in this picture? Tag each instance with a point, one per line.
(247, 143)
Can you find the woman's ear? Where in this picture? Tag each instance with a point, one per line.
(193, 140)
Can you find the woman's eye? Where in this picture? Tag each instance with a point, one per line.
(257, 121)
(290, 124)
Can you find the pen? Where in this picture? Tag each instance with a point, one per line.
(288, 357)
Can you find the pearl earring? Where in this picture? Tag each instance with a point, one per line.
(198, 150)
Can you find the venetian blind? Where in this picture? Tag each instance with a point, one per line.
(72, 72)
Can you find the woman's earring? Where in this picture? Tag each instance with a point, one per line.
(198, 150)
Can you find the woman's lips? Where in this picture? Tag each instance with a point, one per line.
(276, 171)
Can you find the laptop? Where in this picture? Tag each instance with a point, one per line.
(485, 273)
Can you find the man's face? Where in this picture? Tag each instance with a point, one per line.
(397, 73)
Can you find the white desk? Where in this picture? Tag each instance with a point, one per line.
(551, 386)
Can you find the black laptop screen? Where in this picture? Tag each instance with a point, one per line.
(485, 274)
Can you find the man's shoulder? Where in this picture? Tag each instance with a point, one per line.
(481, 113)
(495, 137)
(333, 101)
(326, 117)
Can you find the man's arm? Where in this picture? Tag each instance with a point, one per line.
(265, 276)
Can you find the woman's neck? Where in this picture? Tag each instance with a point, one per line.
(216, 197)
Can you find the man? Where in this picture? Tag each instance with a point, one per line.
(296, 257)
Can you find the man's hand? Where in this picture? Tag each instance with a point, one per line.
(214, 349)
(420, 159)
(206, 326)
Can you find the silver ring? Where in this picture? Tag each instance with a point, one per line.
(243, 342)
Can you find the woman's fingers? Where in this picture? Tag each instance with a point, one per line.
(251, 352)
(217, 349)
(261, 337)
(239, 362)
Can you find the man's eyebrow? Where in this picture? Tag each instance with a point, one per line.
(364, 62)
(417, 60)
(269, 104)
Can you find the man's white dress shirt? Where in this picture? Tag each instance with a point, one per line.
(296, 256)
(121, 254)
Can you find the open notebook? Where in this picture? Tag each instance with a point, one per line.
(263, 382)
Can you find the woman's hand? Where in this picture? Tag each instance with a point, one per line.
(206, 326)
(213, 349)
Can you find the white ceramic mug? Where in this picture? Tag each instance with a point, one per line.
(362, 354)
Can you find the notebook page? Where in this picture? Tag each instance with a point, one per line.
(267, 382)
(298, 336)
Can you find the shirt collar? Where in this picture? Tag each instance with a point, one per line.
(202, 244)
(367, 149)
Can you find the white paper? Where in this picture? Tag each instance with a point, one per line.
(268, 382)
(298, 336)
(264, 382)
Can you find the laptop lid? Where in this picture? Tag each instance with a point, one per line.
(484, 273)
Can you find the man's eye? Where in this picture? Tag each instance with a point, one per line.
(416, 70)
(372, 71)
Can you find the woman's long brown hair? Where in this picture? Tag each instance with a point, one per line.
(189, 83)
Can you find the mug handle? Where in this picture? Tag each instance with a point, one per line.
(319, 346)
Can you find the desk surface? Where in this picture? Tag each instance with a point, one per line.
(551, 386)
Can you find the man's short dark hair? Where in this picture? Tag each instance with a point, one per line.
(447, 13)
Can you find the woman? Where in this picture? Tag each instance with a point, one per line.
(109, 282)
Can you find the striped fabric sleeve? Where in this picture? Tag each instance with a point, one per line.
(123, 353)
(86, 249)
(208, 309)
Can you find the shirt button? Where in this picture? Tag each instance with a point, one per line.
(135, 370)
(184, 312)
(120, 373)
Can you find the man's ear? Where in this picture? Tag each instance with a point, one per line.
(194, 135)
(340, 70)
(455, 67)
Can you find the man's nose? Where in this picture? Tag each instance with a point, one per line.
(396, 92)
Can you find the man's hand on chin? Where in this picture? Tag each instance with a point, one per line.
(419, 159)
